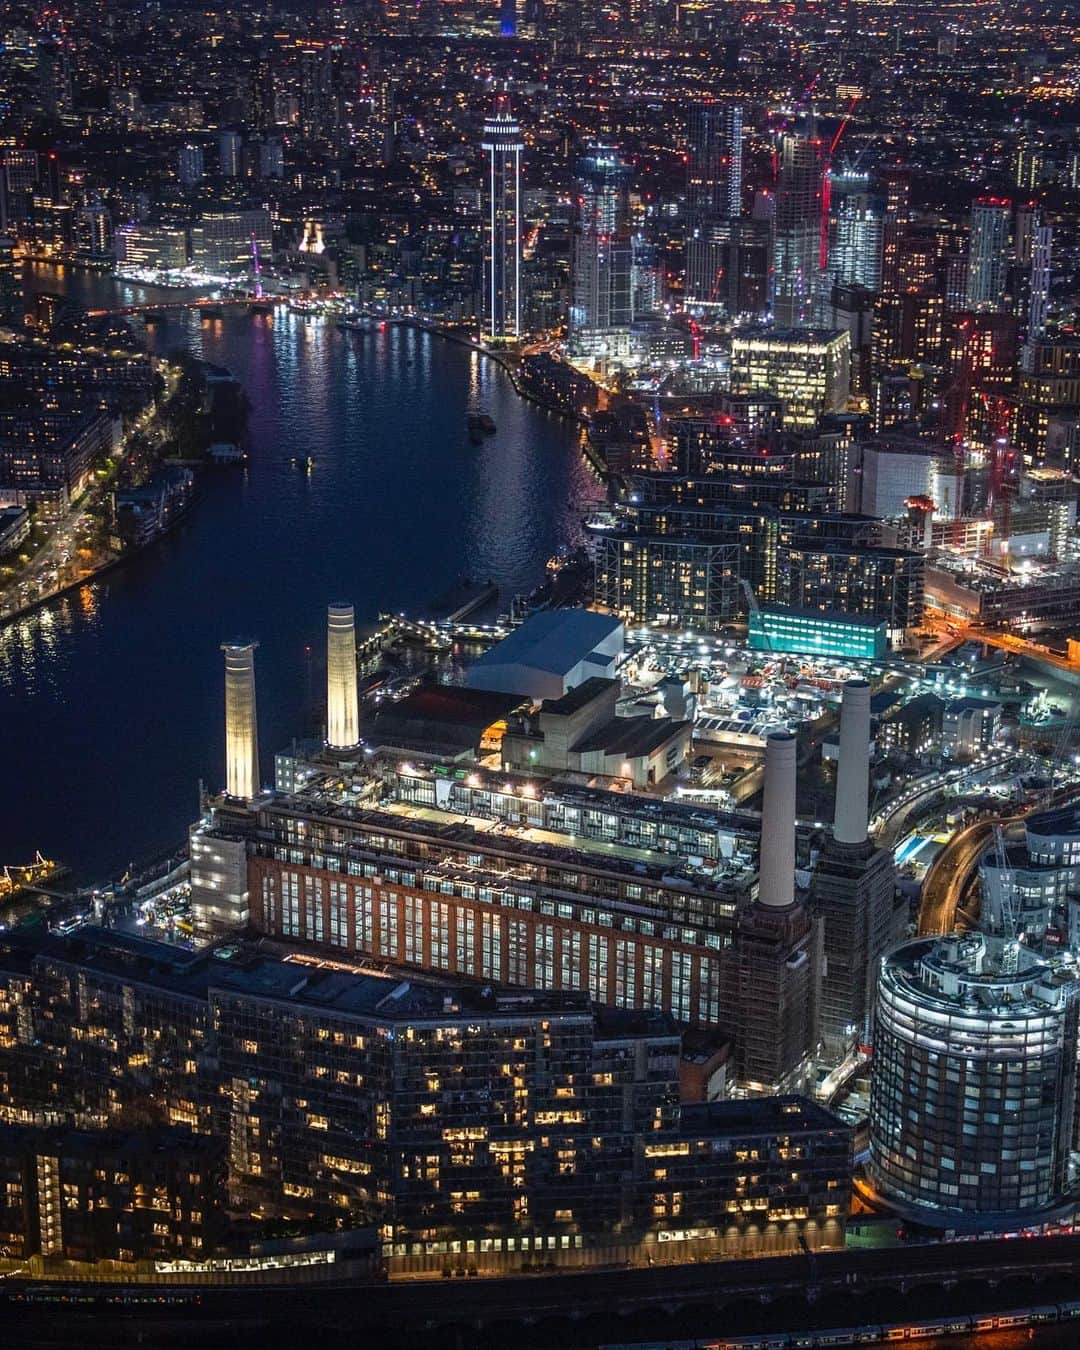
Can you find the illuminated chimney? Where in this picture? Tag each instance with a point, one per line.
(241, 729)
(342, 701)
(853, 773)
(776, 863)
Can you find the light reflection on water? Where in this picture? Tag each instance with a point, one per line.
(110, 699)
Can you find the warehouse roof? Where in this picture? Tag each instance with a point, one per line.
(554, 640)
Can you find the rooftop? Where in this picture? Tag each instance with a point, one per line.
(443, 718)
(760, 1115)
(554, 640)
(579, 697)
(632, 736)
(822, 615)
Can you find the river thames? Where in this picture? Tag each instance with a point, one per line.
(111, 699)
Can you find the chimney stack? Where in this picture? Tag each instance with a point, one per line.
(342, 701)
(776, 861)
(241, 730)
(853, 772)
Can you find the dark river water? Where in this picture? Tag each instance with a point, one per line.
(110, 699)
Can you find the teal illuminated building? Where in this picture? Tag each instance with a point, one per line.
(817, 632)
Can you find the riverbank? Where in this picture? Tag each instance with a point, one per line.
(595, 459)
(146, 454)
(121, 685)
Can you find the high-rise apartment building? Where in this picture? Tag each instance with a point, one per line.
(1029, 284)
(601, 297)
(230, 153)
(801, 240)
(897, 188)
(189, 164)
(12, 301)
(973, 1081)
(810, 369)
(988, 255)
(1048, 402)
(714, 161)
(856, 228)
(503, 145)
(728, 264)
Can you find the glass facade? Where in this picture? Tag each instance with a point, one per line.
(817, 634)
(973, 1081)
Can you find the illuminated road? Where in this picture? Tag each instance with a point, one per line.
(890, 823)
(953, 632)
(948, 877)
(955, 865)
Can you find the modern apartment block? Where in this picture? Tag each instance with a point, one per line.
(471, 1128)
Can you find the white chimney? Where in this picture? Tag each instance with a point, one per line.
(342, 703)
(853, 771)
(776, 861)
(241, 727)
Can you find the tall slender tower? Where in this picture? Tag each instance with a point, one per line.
(502, 256)
(714, 163)
(853, 770)
(801, 241)
(601, 260)
(342, 703)
(988, 254)
(855, 231)
(241, 729)
(1030, 283)
(776, 866)
(897, 186)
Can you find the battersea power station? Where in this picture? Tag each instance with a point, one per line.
(471, 972)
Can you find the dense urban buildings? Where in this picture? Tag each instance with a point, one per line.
(577, 927)
(468, 1126)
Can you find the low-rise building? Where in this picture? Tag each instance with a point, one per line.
(14, 528)
(580, 733)
(774, 628)
(550, 653)
(970, 726)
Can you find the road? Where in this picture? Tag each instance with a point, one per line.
(948, 878)
(74, 549)
(954, 866)
(952, 633)
(889, 824)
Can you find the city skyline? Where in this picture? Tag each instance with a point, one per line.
(539, 566)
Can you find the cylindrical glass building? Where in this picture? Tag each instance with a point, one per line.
(973, 1080)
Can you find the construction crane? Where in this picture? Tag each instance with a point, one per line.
(1057, 757)
(15, 879)
(1010, 916)
(753, 610)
